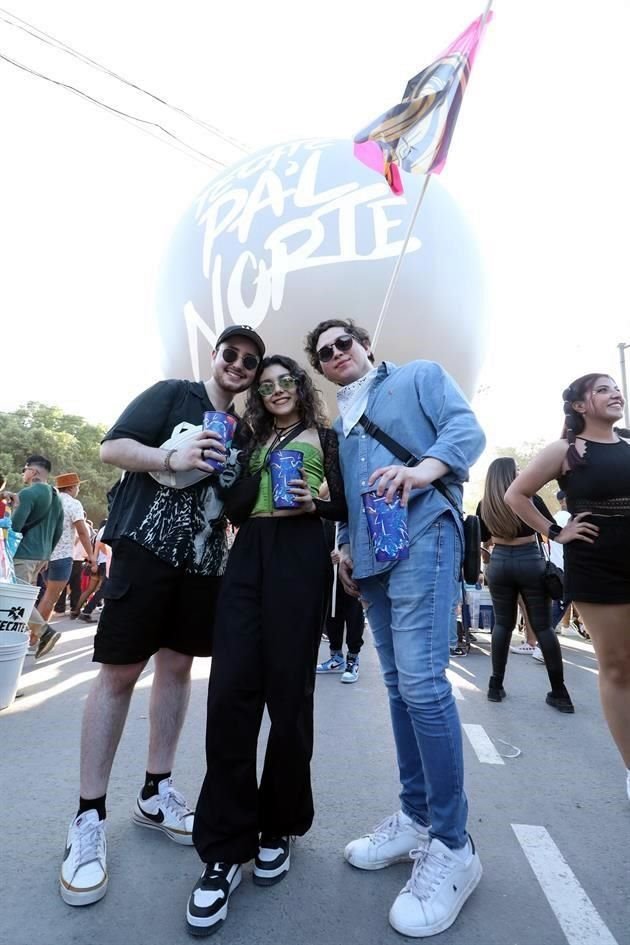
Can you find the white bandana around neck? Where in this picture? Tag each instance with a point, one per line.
(352, 400)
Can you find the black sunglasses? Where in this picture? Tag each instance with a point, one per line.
(249, 361)
(342, 343)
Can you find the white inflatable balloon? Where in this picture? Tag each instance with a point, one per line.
(303, 231)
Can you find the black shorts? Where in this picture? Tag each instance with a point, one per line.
(149, 605)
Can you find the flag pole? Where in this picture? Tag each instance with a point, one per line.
(399, 261)
(414, 217)
(333, 603)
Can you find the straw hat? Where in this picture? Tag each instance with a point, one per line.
(65, 480)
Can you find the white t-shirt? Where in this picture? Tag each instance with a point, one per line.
(556, 550)
(72, 512)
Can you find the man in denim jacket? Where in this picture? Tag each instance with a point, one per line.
(409, 606)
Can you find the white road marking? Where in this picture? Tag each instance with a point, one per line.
(458, 693)
(482, 746)
(578, 917)
(460, 682)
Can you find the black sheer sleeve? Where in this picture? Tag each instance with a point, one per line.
(335, 508)
(542, 508)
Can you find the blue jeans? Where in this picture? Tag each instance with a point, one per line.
(409, 612)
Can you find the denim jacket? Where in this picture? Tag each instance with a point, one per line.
(421, 407)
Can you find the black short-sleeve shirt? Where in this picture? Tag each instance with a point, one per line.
(184, 527)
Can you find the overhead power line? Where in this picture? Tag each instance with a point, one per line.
(44, 37)
(133, 119)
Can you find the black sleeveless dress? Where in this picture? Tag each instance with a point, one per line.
(599, 573)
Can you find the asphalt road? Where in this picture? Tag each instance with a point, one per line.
(551, 825)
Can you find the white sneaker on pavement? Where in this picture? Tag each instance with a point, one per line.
(525, 649)
(537, 655)
(441, 882)
(83, 877)
(166, 811)
(390, 842)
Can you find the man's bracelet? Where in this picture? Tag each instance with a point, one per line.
(167, 461)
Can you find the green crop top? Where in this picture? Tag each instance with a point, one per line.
(313, 467)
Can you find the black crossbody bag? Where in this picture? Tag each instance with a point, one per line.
(471, 565)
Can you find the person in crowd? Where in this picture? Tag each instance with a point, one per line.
(348, 613)
(268, 625)
(409, 606)
(79, 559)
(169, 554)
(517, 567)
(96, 589)
(57, 574)
(591, 462)
(39, 516)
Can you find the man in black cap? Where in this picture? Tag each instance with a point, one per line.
(169, 551)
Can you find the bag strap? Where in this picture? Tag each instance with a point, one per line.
(407, 458)
(279, 444)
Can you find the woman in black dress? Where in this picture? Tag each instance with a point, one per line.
(591, 462)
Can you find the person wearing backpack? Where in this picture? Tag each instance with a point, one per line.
(39, 517)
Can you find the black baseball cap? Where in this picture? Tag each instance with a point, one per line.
(245, 331)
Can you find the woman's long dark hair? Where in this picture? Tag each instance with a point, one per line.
(311, 405)
(574, 421)
(498, 516)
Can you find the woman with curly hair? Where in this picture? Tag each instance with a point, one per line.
(591, 462)
(269, 620)
(517, 568)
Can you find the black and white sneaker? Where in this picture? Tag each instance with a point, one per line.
(208, 903)
(272, 860)
(166, 811)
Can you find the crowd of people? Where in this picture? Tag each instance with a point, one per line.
(168, 548)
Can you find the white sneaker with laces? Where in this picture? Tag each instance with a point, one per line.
(83, 877)
(537, 655)
(525, 649)
(390, 842)
(166, 811)
(441, 882)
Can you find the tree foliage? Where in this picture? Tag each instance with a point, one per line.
(69, 442)
(523, 455)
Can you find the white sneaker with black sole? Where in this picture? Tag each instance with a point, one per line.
(208, 902)
(441, 882)
(83, 877)
(351, 672)
(390, 842)
(272, 860)
(166, 811)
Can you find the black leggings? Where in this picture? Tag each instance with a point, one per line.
(268, 624)
(514, 570)
(348, 612)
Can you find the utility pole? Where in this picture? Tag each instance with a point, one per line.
(624, 383)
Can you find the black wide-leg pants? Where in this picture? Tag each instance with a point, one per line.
(269, 618)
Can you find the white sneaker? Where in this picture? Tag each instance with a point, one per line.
(524, 648)
(441, 882)
(166, 811)
(83, 877)
(390, 842)
(537, 655)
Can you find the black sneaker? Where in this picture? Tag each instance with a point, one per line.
(208, 903)
(496, 692)
(46, 642)
(86, 617)
(560, 701)
(272, 860)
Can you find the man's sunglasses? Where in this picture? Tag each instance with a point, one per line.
(284, 382)
(249, 361)
(342, 343)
